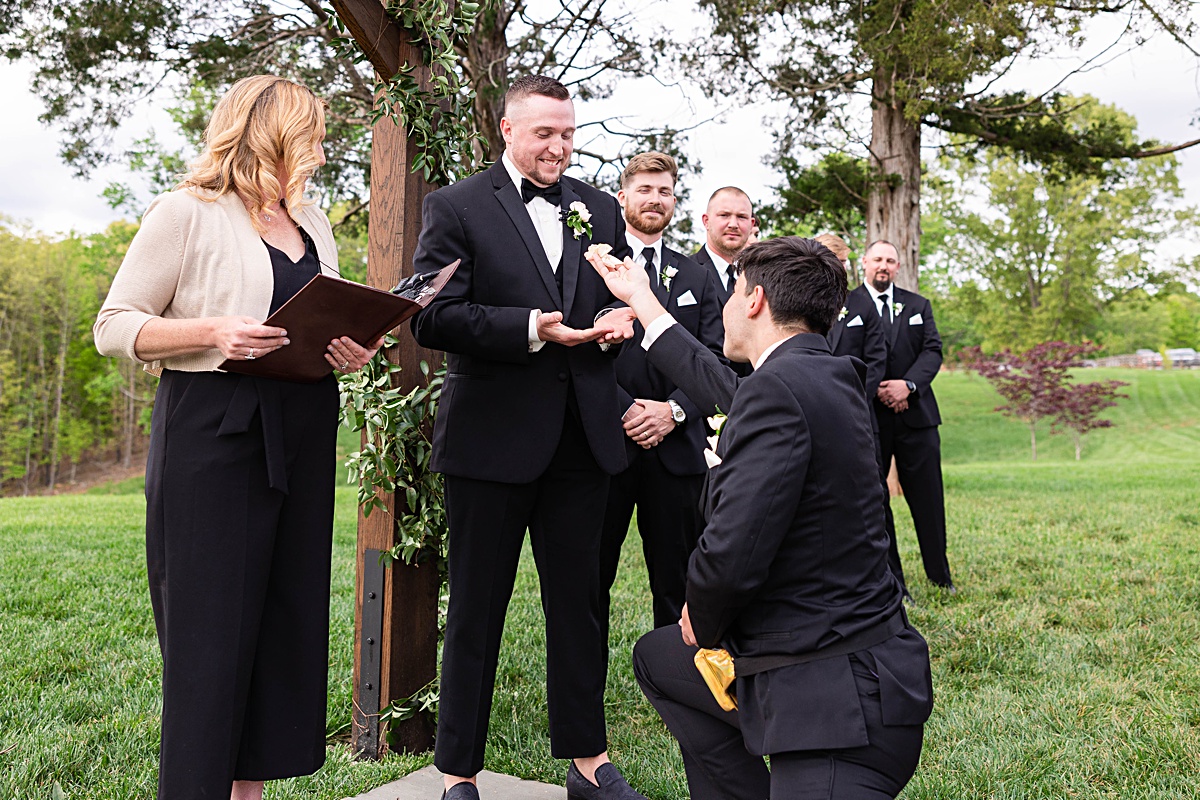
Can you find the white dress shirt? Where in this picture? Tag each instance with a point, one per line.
(722, 266)
(547, 221)
(637, 246)
(875, 295)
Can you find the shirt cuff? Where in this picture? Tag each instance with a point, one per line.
(656, 329)
(535, 342)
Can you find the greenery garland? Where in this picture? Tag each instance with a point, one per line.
(396, 449)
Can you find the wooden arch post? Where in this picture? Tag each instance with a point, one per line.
(395, 608)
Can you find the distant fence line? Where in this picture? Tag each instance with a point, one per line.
(1136, 360)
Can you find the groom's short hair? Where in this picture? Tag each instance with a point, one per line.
(804, 283)
(529, 85)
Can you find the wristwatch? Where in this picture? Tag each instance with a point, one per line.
(912, 387)
(677, 412)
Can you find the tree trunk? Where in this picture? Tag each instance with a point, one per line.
(1078, 446)
(486, 64)
(130, 417)
(1033, 439)
(894, 198)
(64, 340)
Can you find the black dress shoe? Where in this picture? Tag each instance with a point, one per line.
(612, 785)
(461, 791)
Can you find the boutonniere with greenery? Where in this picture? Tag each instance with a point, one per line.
(578, 219)
(897, 309)
(715, 422)
(666, 275)
(842, 314)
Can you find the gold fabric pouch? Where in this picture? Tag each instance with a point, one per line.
(716, 667)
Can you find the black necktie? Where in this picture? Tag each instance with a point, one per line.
(551, 193)
(648, 255)
(886, 313)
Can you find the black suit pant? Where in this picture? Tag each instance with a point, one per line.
(918, 453)
(239, 531)
(668, 518)
(563, 511)
(715, 757)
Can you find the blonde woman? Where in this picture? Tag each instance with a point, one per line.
(239, 478)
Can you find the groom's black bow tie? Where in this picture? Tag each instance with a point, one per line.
(551, 193)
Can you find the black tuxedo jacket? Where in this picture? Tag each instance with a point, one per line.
(501, 410)
(914, 354)
(682, 451)
(793, 556)
(702, 258)
(859, 333)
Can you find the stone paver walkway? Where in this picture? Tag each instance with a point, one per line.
(426, 784)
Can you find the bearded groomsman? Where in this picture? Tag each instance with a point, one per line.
(905, 407)
(729, 225)
(528, 431)
(858, 332)
(665, 430)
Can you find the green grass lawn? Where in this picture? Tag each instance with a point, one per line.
(1066, 666)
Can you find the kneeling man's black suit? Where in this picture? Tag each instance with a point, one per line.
(792, 560)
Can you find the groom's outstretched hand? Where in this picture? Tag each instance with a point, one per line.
(550, 328)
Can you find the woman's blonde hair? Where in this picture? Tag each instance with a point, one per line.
(261, 123)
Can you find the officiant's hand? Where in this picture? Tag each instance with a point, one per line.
(648, 422)
(346, 355)
(550, 328)
(685, 625)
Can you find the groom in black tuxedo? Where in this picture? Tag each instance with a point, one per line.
(528, 430)
(790, 574)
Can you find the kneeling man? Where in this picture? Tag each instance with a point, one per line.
(790, 574)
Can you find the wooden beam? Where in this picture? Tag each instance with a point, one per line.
(376, 33)
(405, 657)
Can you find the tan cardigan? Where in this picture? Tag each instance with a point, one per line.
(192, 259)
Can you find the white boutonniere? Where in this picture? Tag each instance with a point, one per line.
(842, 314)
(897, 309)
(666, 275)
(715, 422)
(578, 219)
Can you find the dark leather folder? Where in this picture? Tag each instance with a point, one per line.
(327, 308)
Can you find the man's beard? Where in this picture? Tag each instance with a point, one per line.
(638, 221)
(881, 281)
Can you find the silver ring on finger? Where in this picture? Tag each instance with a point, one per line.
(345, 366)
(250, 355)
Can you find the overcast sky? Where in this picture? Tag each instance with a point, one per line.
(1158, 83)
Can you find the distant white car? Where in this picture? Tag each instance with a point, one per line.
(1149, 358)
(1183, 357)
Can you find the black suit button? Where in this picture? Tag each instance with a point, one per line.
(562, 376)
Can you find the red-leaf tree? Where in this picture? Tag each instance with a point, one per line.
(1080, 408)
(1035, 385)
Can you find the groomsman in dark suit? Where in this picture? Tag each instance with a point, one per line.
(528, 430)
(790, 574)
(665, 430)
(905, 407)
(858, 332)
(729, 224)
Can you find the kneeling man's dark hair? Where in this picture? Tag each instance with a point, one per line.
(804, 283)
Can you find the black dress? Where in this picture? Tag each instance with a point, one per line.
(239, 520)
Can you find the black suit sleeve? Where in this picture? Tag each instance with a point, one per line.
(711, 334)
(452, 322)
(691, 366)
(929, 359)
(755, 494)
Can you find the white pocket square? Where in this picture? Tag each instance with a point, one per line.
(915, 319)
(686, 299)
(854, 322)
